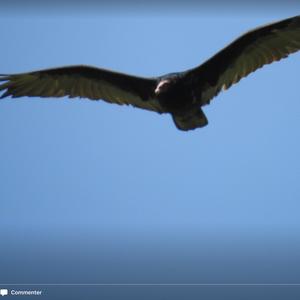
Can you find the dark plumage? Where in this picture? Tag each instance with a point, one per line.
(180, 94)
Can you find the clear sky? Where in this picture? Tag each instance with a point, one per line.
(77, 172)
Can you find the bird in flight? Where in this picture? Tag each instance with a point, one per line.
(180, 94)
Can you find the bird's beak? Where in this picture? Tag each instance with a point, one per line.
(157, 90)
(161, 86)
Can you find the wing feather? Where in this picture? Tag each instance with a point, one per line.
(84, 82)
(246, 54)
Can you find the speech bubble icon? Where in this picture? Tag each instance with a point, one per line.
(3, 292)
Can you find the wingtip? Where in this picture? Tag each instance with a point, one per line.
(4, 77)
(4, 95)
(3, 87)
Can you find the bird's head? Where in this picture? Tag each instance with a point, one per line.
(163, 86)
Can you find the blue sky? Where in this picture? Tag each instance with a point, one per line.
(91, 169)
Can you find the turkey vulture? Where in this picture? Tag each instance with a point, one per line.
(181, 94)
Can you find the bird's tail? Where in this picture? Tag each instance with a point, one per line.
(190, 120)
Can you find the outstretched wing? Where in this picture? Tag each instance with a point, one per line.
(246, 54)
(85, 82)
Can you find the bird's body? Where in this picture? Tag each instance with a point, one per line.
(181, 94)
